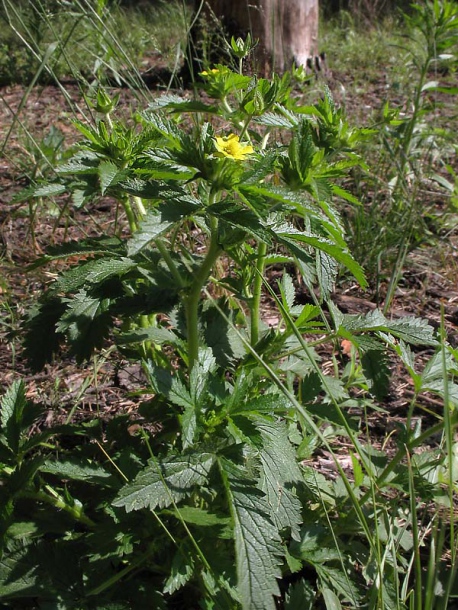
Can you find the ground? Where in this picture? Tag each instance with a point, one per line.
(429, 285)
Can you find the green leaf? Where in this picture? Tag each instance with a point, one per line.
(181, 572)
(267, 403)
(200, 517)
(238, 216)
(290, 240)
(86, 322)
(165, 481)
(300, 596)
(77, 470)
(287, 291)
(49, 190)
(280, 475)
(160, 220)
(41, 340)
(377, 372)
(415, 331)
(109, 175)
(257, 543)
(13, 405)
(272, 119)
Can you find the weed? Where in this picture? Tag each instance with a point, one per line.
(208, 497)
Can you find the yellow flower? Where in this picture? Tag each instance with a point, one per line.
(230, 146)
(212, 72)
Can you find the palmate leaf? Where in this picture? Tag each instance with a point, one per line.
(41, 340)
(257, 542)
(166, 481)
(280, 475)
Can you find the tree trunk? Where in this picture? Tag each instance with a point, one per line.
(287, 30)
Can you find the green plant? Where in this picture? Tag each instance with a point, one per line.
(205, 497)
(414, 147)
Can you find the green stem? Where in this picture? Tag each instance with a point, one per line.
(193, 299)
(133, 564)
(256, 296)
(245, 126)
(169, 262)
(226, 106)
(140, 207)
(56, 500)
(130, 215)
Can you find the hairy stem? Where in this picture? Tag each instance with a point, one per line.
(193, 298)
(169, 262)
(56, 500)
(256, 296)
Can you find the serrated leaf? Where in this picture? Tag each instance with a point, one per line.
(300, 596)
(106, 246)
(377, 372)
(415, 331)
(165, 481)
(77, 470)
(272, 119)
(86, 322)
(49, 190)
(268, 403)
(12, 408)
(160, 220)
(181, 572)
(257, 543)
(342, 256)
(326, 272)
(242, 218)
(287, 291)
(155, 334)
(109, 174)
(200, 517)
(106, 268)
(280, 475)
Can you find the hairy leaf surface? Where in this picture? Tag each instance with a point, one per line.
(257, 542)
(165, 481)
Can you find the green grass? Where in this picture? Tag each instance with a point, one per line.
(87, 42)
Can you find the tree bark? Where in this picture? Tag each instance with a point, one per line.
(287, 30)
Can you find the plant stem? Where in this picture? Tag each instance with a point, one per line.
(130, 214)
(140, 207)
(193, 298)
(169, 262)
(56, 500)
(256, 296)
